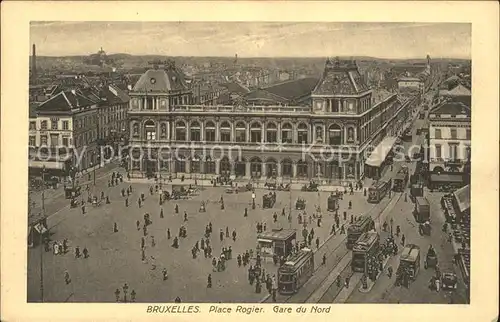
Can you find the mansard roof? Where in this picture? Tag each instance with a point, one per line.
(340, 77)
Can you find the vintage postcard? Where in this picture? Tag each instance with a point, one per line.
(268, 165)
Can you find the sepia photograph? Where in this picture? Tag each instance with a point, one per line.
(210, 167)
(249, 160)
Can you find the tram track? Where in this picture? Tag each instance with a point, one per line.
(375, 212)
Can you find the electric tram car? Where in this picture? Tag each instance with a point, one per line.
(296, 271)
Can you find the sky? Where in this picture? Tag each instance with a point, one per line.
(254, 39)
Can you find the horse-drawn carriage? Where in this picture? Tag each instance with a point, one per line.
(72, 192)
(284, 187)
(431, 260)
(73, 203)
(96, 202)
(271, 184)
(268, 200)
(425, 228)
(179, 192)
(311, 187)
(300, 204)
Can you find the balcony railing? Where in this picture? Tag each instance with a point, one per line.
(229, 108)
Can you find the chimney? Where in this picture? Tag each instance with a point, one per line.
(33, 63)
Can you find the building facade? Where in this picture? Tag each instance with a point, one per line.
(326, 141)
(449, 137)
(63, 134)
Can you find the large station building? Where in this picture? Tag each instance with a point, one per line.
(327, 139)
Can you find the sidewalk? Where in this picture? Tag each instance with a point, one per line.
(346, 292)
(369, 282)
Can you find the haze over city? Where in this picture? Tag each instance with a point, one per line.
(254, 39)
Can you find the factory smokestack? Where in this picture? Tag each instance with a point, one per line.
(33, 64)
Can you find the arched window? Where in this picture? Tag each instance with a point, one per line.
(225, 167)
(225, 132)
(241, 132)
(271, 133)
(210, 131)
(240, 168)
(302, 169)
(195, 164)
(163, 131)
(135, 129)
(180, 164)
(335, 135)
(302, 130)
(256, 132)
(256, 167)
(286, 133)
(271, 168)
(286, 168)
(195, 130)
(150, 130)
(209, 165)
(180, 131)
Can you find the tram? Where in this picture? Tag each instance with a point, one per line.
(362, 225)
(367, 245)
(295, 272)
(378, 190)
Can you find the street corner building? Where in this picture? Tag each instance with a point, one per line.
(300, 129)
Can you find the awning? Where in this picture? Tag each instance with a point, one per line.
(265, 240)
(380, 153)
(462, 196)
(452, 178)
(47, 164)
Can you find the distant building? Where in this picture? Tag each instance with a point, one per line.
(449, 140)
(63, 134)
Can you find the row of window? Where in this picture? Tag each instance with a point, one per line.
(54, 140)
(240, 134)
(453, 134)
(54, 125)
(453, 152)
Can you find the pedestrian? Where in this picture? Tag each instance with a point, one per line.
(83, 209)
(209, 281)
(77, 252)
(185, 216)
(143, 255)
(139, 202)
(138, 224)
(65, 245)
(234, 235)
(246, 212)
(143, 242)
(165, 274)
(324, 259)
(350, 204)
(145, 230)
(317, 242)
(153, 243)
(85, 252)
(403, 240)
(67, 278)
(264, 226)
(107, 200)
(176, 209)
(132, 295)
(126, 202)
(345, 215)
(115, 228)
(117, 295)
(347, 282)
(168, 233)
(161, 212)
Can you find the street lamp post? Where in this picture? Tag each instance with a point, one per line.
(41, 235)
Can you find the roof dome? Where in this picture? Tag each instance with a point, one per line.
(161, 81)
